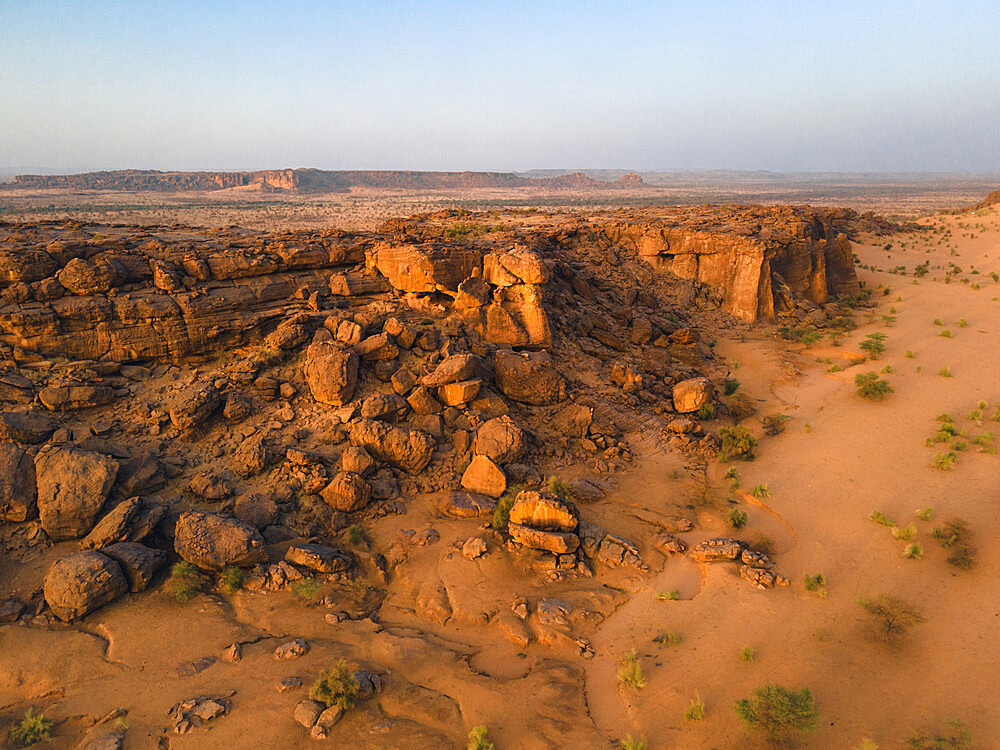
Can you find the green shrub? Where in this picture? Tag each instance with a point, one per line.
(738, 518)
(874, 345)
(780, 714)
(891, 617)
(945, 372)
(740, 406)
(501, 514)
(955, 737)
(705, 412)
(774, 424)
(336, 686)
(33, 728)
(904, 534)
(945, 461)
(924, 514)
(760, 490)
(634, 744)
(630, 671)
(730, 386)
(306, 590)
(737, 442)
(355, 534)
(747, 654)
(870, 386)
(881, 519)
(945, 334)
(668, 596)
(670, 638)
(559, 488)
(479, 739)
(184, 582)
(954, 536)
(231, 579)
(815, 582)
(696, 709)
(913, 551)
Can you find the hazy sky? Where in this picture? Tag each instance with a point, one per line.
(796, 85)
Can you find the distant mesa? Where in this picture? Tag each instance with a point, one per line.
(991, 200)
(310, 181)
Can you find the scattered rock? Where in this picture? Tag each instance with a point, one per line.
(291, 650)
(690, 395)
(474, 547)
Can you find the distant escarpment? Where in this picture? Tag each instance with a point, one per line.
(306, 180)
(136, 293)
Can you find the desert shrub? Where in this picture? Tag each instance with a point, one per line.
(945, 372)
(891, 617)
(668, 596)
(904, 534)
(740, 406)
(737, 442)
(738, 518)
(696, 709)
(355, 534)
(881, 519)
(954, 536)
(501, 514)
(670, 638)
(814, 582)
(870, 386)
(630, 671)
(955, 737)
(479, 739)
(730, 386)
(962, 323)
(874, 345)
(780, 714)
(760, 490)
(945, 461)
(747, 654)
(984, 442)
(231, 579)
(867, 744)
(184, 581)
(705, 412)
(924, 514)
(336, 686)
(913, 551)
(945, 334)
(634, 744)
(33, 728)
(306, 590)
(559, 488)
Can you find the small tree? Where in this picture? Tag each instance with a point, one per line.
(891, 617)
(780, 714)
(874, 345)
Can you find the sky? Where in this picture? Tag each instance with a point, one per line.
(481, 85)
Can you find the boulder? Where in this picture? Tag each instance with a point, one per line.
(542, 510)
(423, 269)
(716, 550)
(331, 373)
(251, 457)
(516, 266)
(451, 370)
(484, 477)
(357, 460)
(213, 542)
(72, 487)
(422, 401)
(17, 483)
(29, 427)
(529, 377)
(573, 420)
(82, 582)
(467, 505)
(114, 527)
(257, 509)
(347, 492)
(318, 557)
(690, 395)
(501, 440)
(194, 407)
(460, 393)
(307, 712)
(557, 542)
(378, 347)
(71, 397)
(391, 407)
(138, 562)
(410, 450)
(82, 276)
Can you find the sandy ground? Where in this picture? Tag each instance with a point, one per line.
(840, 458)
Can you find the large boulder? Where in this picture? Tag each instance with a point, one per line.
(213, 542)
(423, 269)
(82, 582)
(557, 542)
(484, 477)
(71, 397)
(347, 492)
(115, 526)
(72, 487)
(318, 557)
(573, 420)
(81, 276)
(29, 427)
(692, 394)
(501, 440)
(331, 372)
(451, 370)
(542, 510)
(529, 377)
(410, 450)
(17, 483)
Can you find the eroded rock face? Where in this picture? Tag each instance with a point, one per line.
(318, 557)
(82, 582)
(425, 268)
(529, 377)
(72, 487)
(451, 370)
(213, 542)
(331, 372)
(541, 510)
(410, 450)
(557, 542)
(17, 483)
